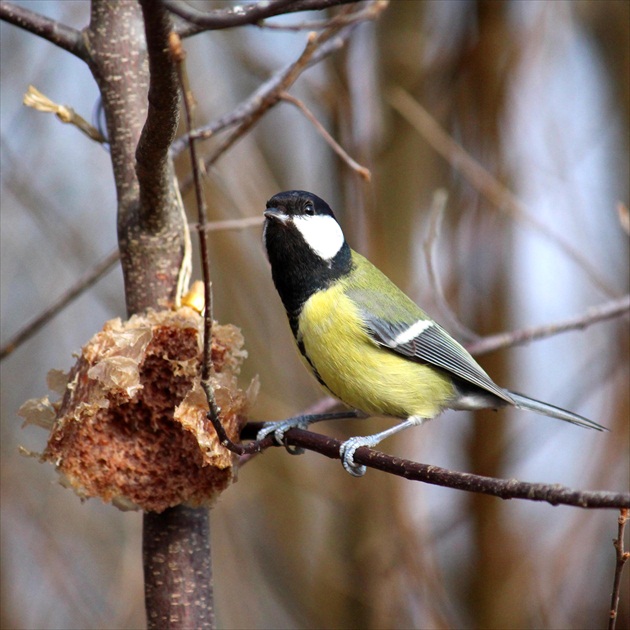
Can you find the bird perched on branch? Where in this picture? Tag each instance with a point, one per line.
(365, 341)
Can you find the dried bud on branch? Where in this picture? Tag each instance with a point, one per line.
(131, 426)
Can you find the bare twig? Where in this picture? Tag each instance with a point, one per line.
(621, 557)
(269, 98)
(595, 314)
(267, 94)
(554, 494)
(199, 21)
(247, 114)
(362, 171)
(35, 99)
(61, 35)
(317, 25)
(227, 18)
(84, 283)
(482, 180)
(206, 364)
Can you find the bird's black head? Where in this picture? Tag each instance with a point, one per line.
(295, 203)
(305, 246)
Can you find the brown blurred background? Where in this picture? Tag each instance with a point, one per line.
(538, 94)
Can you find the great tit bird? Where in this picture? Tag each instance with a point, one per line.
(365, 341)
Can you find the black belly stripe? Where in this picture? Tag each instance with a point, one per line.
(295, 326)
(302, 349)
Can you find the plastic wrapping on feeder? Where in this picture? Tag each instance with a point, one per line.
(132, 427)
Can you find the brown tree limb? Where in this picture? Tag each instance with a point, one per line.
(199, 21)
(57, 33)
(602, 312)
(553, 494)
(362, 171)
(152, 230)
(176, 543)
(178, 580)
(621, 557)
(268, 96)
(111, 36)
(153, 167)
(269, 99)
(317, 25)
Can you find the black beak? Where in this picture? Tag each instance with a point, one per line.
(276, 214)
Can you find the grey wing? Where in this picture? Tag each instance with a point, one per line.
(427, 341)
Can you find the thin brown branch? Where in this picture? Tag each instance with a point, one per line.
(178, 54)
(603, 312)
(266, 94)
(207, 131)
(362, 171)
(553, 494)
(621, 557)
(61, 35)
(482, 180)
(269, 99)
(227, 18)
(624, 217)
(199, 21)
(317, 25)
(84, 283)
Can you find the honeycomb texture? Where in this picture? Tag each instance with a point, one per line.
(131, 425)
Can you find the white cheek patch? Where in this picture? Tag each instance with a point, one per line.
(322, 234)
(412, 332)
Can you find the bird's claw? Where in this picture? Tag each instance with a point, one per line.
(279, 429)
(346, 453)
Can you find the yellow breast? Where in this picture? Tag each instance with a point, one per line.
(360, 373)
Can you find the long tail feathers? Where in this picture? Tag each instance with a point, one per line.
(523, 402)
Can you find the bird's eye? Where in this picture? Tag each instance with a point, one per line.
(309, 209)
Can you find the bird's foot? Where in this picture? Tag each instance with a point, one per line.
(349, 447)
(280, 428)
